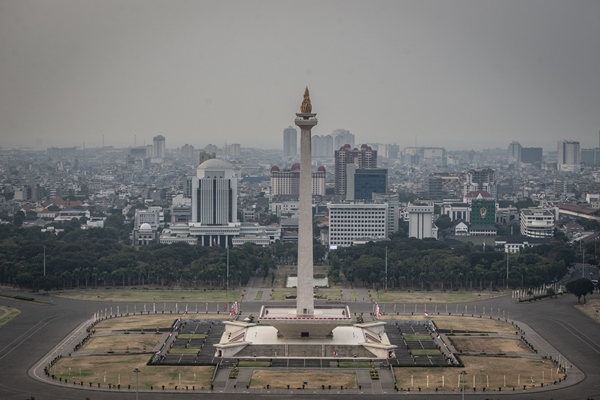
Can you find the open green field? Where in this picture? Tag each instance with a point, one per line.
(7, 313)
(152, 295)
(432, 297)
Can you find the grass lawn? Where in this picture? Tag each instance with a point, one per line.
(259, 295)
(425, 352)
(437, 297)
(120, 369)
(417, 337)
(281, 293)
(481, 370)
(151, 295)
(261, 364)
(280, 379)
(7, 313)
(183, 350)
(355, 364)
(192, 336)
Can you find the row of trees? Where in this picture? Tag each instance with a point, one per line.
(433, 264)
(76, 258)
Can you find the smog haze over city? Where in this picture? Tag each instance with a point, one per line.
(455, 74)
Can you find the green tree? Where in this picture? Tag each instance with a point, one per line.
(580, 287)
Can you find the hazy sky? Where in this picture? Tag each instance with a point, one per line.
(457, 74)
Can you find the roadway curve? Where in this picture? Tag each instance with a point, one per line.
(39, 328)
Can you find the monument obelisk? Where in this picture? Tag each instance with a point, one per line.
(305, 304)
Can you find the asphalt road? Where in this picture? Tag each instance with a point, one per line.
(27, 338)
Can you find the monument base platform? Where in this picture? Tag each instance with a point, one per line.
(243, 340)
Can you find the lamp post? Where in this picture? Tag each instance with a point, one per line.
(137, 371)
(227, 282)
(386, 274)
(463, 373)
(507, 261)
(44, 260)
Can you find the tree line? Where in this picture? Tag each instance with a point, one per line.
(88, 258)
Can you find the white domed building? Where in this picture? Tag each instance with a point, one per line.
(145, 234)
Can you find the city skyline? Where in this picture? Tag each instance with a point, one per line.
(458, 75)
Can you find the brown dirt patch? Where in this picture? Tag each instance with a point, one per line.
(489, 372)
(120, 369)
(122, 342)
(591, 308)
(489, 345)
(281, 378)
(468, 324)
(150, 322)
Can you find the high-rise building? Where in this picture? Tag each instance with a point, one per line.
(187, 151)
(393, 202)
(322, 146)
(420, 221)
(514, 153)
(531, 155)
(364, 157)
(158, 146)
(290, 142)
(214, 194)
(287, 182)
(363, 182)
(342, 137)
(232, 150)
(350, 222)
(568, 156)
(537, 222)
(480, 180)
(590, 157)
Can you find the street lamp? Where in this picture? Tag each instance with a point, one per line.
(463, 373)
(137, 371)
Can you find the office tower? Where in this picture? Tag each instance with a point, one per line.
(364, 157)
(287, 182)
(214, 194)
(590, 157)
(393, 202)
(435, 187)
(568, 156)
(514, 153)
(537, 222)
(531, 155)
(305, 120)
(290, 142)
(158, 146)
(352, 222)
(420, 220)
(363, 182)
